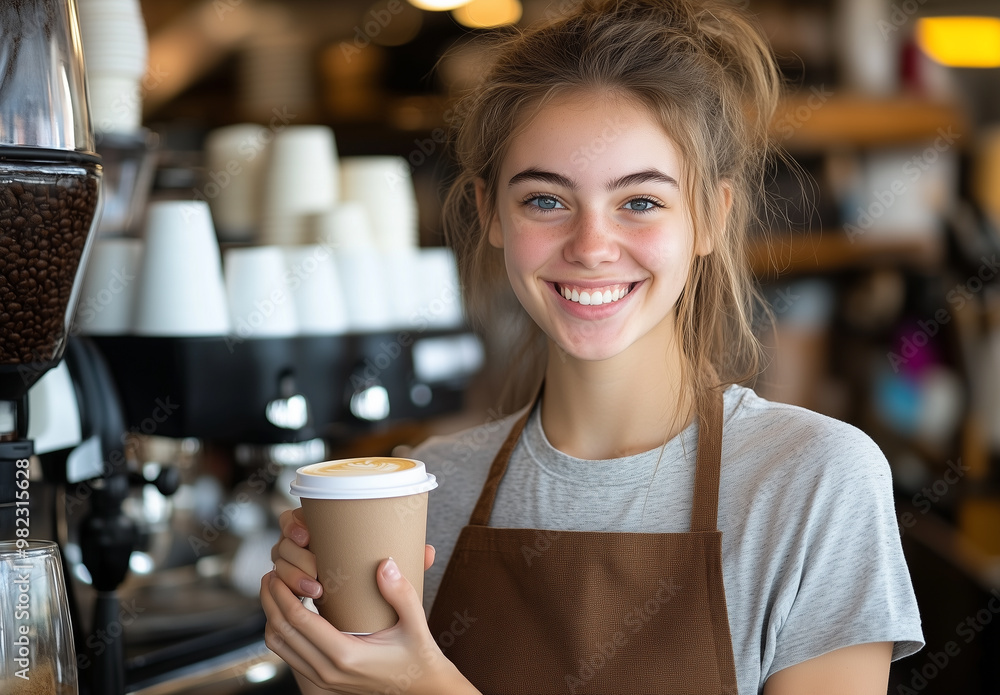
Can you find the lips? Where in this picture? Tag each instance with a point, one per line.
(594, 296)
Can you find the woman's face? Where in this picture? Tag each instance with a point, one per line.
(595, 229)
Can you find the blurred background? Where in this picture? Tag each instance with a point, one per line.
(880, 265)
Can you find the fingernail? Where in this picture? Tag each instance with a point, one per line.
(299, 535)
(391, 570)
(310, 588)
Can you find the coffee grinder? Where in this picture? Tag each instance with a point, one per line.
(50, 201)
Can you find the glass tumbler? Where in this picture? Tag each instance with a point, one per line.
(36, 637)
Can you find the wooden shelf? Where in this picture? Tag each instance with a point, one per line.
(820, 119)
(785, 254)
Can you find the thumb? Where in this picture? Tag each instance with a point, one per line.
(399, 592)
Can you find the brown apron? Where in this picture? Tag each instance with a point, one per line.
(529, 611)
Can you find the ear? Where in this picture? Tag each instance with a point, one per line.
(490, 226)
(706, 243)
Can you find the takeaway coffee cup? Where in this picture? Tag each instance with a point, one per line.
(359, 512)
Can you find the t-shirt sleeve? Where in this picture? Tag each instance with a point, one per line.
(847, 581)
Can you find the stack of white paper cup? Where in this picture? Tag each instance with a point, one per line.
(234, 167)
(314, 284)
(180, 291)
(439, 289)
(115, 47)
(385, 188)
(260, 304)
(109, 288)
(364, 281)
(301, 181)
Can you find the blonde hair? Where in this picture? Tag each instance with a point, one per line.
(705, 71)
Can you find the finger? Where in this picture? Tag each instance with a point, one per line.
(302, 630)
(277, 632)
(399, 592)
(296, 567)
(293, 526)
(429, 555)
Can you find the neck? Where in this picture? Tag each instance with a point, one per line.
(617, 407)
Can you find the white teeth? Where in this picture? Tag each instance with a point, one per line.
(595, 297)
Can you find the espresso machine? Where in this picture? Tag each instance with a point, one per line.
(159, 462)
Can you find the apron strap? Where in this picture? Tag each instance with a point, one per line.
(484, 507)
(705, 510)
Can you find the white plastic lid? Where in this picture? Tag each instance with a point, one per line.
(362, 478)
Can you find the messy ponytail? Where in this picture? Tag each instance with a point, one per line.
(705, 72)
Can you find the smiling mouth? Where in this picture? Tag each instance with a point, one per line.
(594, 296)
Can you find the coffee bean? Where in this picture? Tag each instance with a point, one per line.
(45, 217)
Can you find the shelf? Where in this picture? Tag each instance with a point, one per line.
(787, 254)
(820, 118)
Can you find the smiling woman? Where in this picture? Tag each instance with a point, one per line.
(644, 523)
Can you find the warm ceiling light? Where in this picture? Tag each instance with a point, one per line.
(961, 42)
(438, 5)
(483, 14)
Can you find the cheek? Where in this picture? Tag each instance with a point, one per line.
(525, 249)
(670, 255)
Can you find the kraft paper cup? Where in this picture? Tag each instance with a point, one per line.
(360, 512)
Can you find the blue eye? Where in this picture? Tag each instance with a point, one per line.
(641, 205)
(544, 202)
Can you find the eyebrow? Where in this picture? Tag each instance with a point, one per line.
(654, 175)
(544, 176)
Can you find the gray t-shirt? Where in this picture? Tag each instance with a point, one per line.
(811, 556)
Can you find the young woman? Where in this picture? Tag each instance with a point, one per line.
(643, 524)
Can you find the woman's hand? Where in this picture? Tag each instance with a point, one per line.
(295, 564)
(403, 657)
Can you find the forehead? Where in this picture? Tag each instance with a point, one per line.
(581, 133)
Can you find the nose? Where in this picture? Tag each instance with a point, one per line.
(591, 240)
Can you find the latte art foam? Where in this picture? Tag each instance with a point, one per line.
(362, 466)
